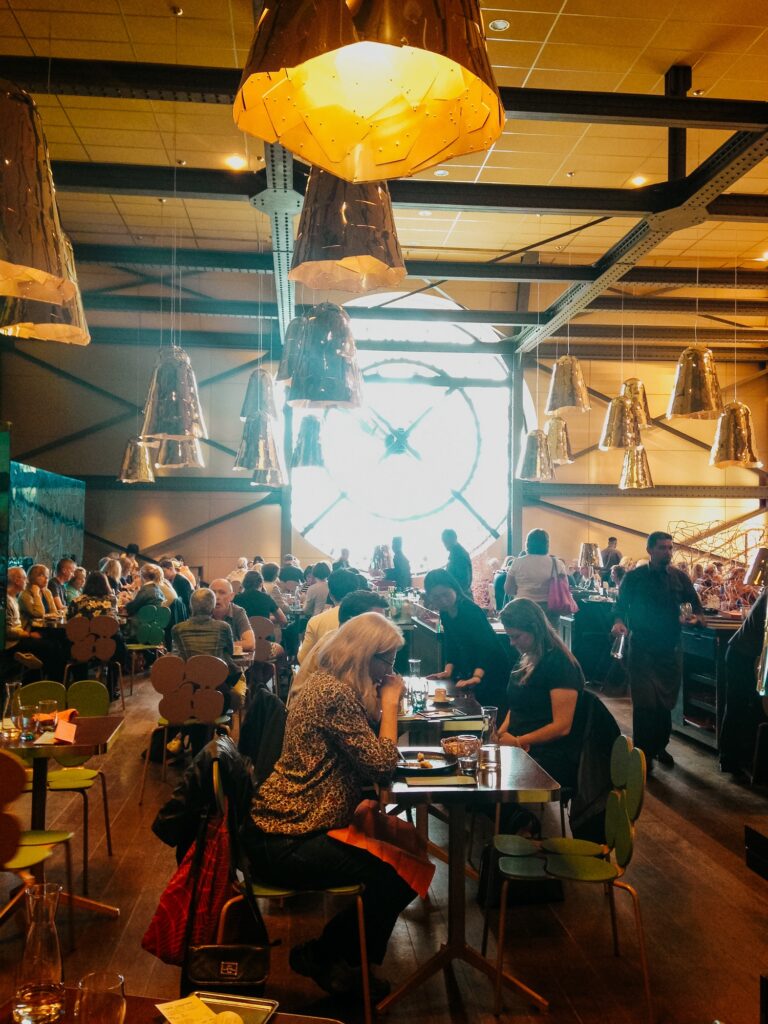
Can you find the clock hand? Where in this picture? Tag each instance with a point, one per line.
(387, 424)
(426, 413)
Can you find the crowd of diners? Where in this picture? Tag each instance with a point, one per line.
(338, 735)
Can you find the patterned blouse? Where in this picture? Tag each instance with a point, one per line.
(329, 753)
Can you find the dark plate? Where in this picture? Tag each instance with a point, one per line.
(442, 703)
(441, 762)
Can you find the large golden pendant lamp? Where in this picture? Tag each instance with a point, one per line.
(696, 391)
(535, 461)
(734, 443)
(371, 90)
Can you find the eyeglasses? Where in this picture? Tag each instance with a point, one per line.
(385, 660)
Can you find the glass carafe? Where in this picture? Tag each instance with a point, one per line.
(40, 990)
(11, 728)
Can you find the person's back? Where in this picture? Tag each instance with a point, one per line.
(532, 574)
(202, 635)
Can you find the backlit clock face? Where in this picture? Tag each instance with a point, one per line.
(410, 449)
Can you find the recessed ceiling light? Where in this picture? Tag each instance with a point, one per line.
(182, 163)
(570, 174)
(498, 25)
(177, 11)
(441, 173)
(762, 259)
(698, 92)
(425, 213)
(235, 162)
(638, 180)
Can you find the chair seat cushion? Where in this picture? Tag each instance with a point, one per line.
(71, 778)
(515, 846)
(529, 868)
(582, 869)
(44, 837)
(573, 847)
(28, 857)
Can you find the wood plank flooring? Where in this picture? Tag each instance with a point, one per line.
(706, 914)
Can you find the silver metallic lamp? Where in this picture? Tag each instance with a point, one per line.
(734, 443)
(326, 373)
(308, 452)
(567, 389)
(559, 443)
(535, 462)
(258, 451)
(186, 454)
(620, 428)
(294, 333)
(137, 463)
(696, 391)
(173, 411)
(259, 395)
(634, 389)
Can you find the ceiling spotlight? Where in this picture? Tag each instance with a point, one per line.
(441, 173)
(698, 92)
(235, 162)
(638, 180)
(182, 163)
(498, 25)
(762, 259)
(570, 174)
(177, 11)
(162, 201)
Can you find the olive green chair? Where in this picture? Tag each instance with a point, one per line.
(148, 626)
(578, 860)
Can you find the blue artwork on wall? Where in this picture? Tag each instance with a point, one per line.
(46, 516)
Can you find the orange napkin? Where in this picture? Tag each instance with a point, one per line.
(63, 716)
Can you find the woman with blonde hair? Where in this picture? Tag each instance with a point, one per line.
(330, 752)
(36, 600)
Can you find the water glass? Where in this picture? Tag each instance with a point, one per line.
(490, 719)
(686, 611)
(414, 666)
(489, 758)
(469, 747)
(100, 998)
(28, 720)
(618, 646)
(418, 691)
(48, 715)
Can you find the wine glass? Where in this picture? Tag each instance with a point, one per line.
(686, 611)
(100, 998)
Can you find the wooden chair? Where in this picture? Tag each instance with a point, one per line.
(93, 642)
(189, 696)
(577, 860)
(266, 652)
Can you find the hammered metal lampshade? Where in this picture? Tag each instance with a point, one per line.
(696, 391)
(31, 239)
(757, 570)
(47, 321)
(634, 390)
(259, 396)
(137, 463)
(559, 443)
(186, 454)
(535, 462)
(308, 452)
(347, 239)
(620, 427)
(567, 389)
(734, 443)
(294, 332)
(173, 411)
(635, 471)
(381, 90)
(589, 555)
(326, 373)
(258, 452)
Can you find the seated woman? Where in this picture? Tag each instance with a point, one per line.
(543, 693)
(36, 600)
(474, 656)
(75, 586)
(97, 598)
(330, 752)
(256, 602)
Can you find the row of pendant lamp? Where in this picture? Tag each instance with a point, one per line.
(696, 395)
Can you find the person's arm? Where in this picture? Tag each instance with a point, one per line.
(309, 641)
(621, 612)
(347, 727)
(58, 604)
(31, 602)
(510, 583)
(563, 710)
(279, 616)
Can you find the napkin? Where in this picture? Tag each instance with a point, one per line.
(440, 780)
(63, 716)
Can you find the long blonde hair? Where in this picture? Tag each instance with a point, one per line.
(347, 653)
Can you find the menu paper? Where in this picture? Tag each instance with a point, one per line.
(186, 1011)
(65, 731)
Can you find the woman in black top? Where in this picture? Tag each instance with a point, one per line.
(543, 693)
(255, 601)
(474, 656)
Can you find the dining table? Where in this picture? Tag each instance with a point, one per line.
(518, 779)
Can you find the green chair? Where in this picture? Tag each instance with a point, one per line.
(577, 860)
(45, 689)
(149, 633)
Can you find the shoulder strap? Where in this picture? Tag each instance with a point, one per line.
(554, 565)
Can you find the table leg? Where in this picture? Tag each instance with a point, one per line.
(39, 791)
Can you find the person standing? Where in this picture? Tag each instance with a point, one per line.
(611, 556)
(342, 562)
(181, 585)
(530, 575)
(459, 564)
(743, 704)
(648, 610)
(400, 573)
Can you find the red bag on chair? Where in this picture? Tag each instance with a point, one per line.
(203, 879)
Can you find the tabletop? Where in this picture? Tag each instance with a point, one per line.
(519, 779)
(92, 735)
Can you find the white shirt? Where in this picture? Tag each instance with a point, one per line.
(317, 627)
(315, 598)
(532, 574)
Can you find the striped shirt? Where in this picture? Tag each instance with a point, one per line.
(202, 635)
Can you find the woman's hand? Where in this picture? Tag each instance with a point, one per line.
(34, 589)
(439, 675)
(467, 683)
(508, 740)
(391, 691)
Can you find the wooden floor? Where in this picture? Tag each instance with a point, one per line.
(706, 915)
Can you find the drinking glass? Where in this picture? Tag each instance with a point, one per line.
(489, 757)
(686, 611)
(490, 719)
(28, 720)
(100, 998)
(617, 648)
(46, 708)
(418, 691)
(414, 666)
(11, 727)
(469, 747)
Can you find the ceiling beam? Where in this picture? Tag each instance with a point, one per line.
(642, 353)
(127, 80)
(661, 333)
(533, 490)
(689, 306)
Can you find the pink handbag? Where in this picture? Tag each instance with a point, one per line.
(559, 598)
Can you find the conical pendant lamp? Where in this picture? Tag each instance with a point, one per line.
(635, 471)
(696, 391)
(31, 239)
(634, 389)
(47, 321)
(734, 443)
(326, 372)
(620, 428)
(137, 463)
(258, 451)
(559, 443)
(259, 395)
(173, 411)
(535, 462)
(187, 454)
(371, 91)
(294, 333)
(308, 452)
(567, 389)
(347, 239)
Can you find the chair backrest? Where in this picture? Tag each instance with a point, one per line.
(13, 779)
(150, 623)
(45, 689)
(90, 697)
(92, 638)
(625, 801)
(189, 689)
(264, 650)
(473, 726)
(262, 626)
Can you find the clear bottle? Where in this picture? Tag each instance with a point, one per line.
(11, 730)
(40, 990)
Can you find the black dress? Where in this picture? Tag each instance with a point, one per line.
(471, 643)
(256, 602)
(530, 708)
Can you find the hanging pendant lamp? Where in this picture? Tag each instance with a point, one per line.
(590, 555)
(137, 462)
(535, 462)
(567, 389)
(308, 452)
(259, 395)
(757, 570)
(559, 443)
(258, 452)
(294, 333)
(186, 454)
(620, 428)
(31, 239)
(634, 389)
(46, 321)
(696, 391)
(173, 411)
(734, 443)
(635, 471)
(326, 373)
(347, 239)
(374, 90)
